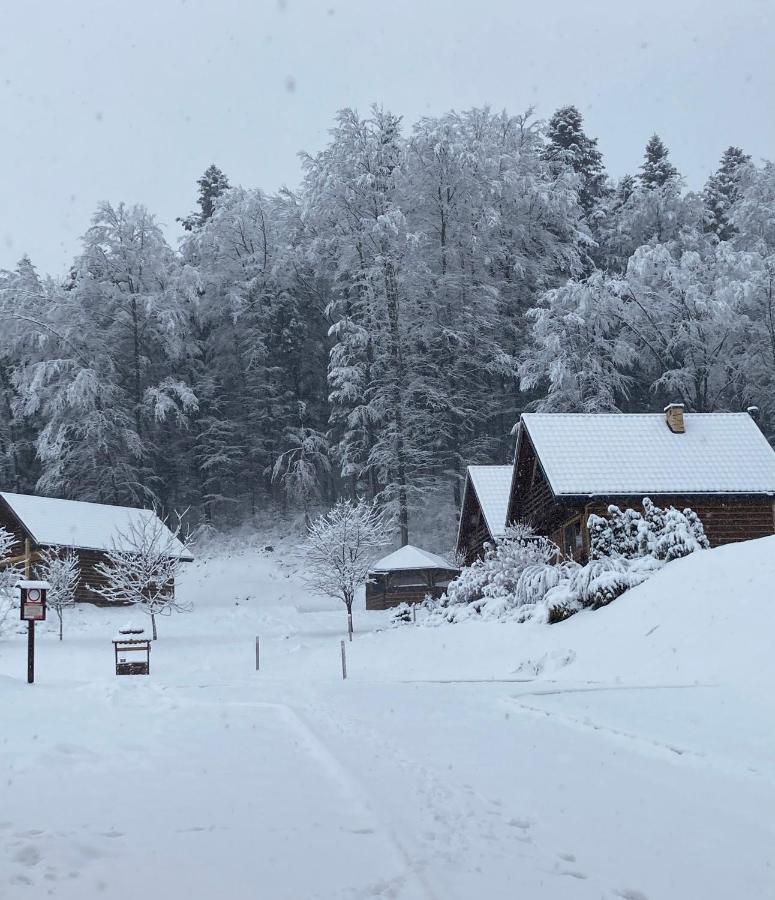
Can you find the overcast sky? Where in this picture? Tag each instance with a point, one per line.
(132, 100)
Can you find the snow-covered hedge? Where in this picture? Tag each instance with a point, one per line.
(524, 576)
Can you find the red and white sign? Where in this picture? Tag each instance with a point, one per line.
(33, 600)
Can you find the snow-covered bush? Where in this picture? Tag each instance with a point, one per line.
(664, 534)
(524, 577)
(493, 587)
(8, 577)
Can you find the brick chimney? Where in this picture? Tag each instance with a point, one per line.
(674, 416)
(753, 412)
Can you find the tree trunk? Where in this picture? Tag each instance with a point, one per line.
(59, 614)
(391, 293)
(153, 625)
(349, 605)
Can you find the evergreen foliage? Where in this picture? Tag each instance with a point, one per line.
(657, 170)
(369, 334)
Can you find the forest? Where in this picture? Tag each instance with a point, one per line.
(375, 330)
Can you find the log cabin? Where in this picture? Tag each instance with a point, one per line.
(570, 465)
(484, 510)
(408, 575)
(90, 530)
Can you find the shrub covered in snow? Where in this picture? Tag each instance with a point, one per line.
(664, 534)
(491, 586)
(524, 577)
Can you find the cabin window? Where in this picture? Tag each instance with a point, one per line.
(408, 579)
(573, 538)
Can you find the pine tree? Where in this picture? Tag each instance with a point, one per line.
(211, 186)
(568, 144)
(657, 170)
(723, 190)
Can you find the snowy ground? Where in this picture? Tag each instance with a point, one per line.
(626, 753)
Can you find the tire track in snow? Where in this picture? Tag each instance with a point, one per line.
(350, 788)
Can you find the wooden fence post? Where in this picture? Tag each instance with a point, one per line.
(258, 655)
(344, 660)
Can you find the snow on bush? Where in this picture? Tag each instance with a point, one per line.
(8, 578)
(489, 587)
(524, 576)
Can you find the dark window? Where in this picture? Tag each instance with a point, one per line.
(408, 579)
(573, 540)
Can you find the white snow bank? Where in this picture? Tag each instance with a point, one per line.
(706, 618)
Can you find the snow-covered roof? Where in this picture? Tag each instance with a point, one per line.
(492, 485)
(411, 558)
(622, 453)
(87, 526)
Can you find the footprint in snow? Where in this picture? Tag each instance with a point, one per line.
(630, 894)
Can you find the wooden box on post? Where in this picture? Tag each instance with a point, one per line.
(133, 652)
(32, 605)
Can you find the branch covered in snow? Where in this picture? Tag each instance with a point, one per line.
(144, 573)
(340, 547)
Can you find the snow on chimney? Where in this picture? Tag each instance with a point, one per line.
(674, 416)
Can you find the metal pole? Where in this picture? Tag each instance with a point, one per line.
(344, 660)
(258, 655)
(30, 652)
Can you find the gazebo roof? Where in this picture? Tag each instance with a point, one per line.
(411, 558)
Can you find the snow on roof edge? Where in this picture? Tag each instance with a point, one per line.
(410, 558)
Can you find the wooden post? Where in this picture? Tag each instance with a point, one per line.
(30, 624)
(344, 661)
(414, 614)
(30, 652)
(258, 656)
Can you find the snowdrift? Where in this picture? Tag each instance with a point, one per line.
(707, 618)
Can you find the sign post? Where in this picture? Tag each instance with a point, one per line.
(32, 610)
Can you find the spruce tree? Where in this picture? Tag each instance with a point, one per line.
(722, 191)
(567, 143)
(212, 184)
(657, 169)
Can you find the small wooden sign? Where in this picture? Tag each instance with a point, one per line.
(133, 652)
(33, 600)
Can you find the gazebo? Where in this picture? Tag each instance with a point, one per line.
(407, 575)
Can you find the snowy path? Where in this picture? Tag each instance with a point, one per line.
(438, 771)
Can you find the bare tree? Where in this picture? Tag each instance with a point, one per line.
(142, 567)
(8, 577)
(339, 548)
(62, 572)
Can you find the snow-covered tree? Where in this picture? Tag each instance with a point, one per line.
(142, 567)
(212, 185)
(62, 572)
(657, 170)
(9, 575)
(340, 547)
(722, 191)
(303, 467)
(105, 382)
(569, 144)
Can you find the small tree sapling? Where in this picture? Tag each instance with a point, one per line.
(62, 573)
(8, 577)
(142, 569)
(339, 548)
